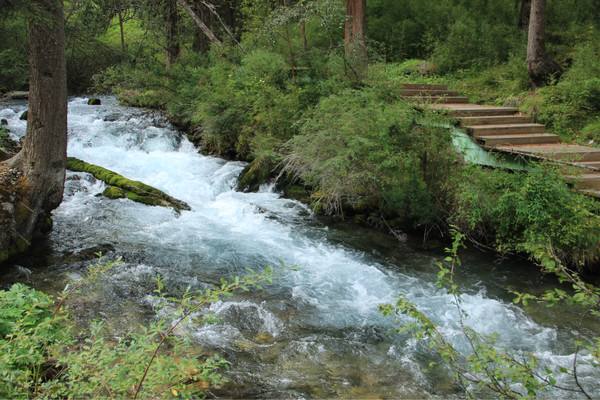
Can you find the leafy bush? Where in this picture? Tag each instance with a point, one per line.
(574, 102)
(43, 354)
(359, 152)
(534, 213)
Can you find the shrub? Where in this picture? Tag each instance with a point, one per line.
(359, 152)
(534, 213)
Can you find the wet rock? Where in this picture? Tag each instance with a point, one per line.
(94, 101)
(89, 253)
(24, 116)
(112, 117)
(3, 121)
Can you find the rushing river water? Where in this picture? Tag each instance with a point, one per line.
(316, 331)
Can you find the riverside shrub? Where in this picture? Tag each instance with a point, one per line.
(535, 213)
(361, 153)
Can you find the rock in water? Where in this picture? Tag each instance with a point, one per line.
(119, 187)
(23, 116)
(94, 102)
(3, 122)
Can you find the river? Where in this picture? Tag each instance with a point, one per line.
(316, 331)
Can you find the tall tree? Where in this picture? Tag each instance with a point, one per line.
(355, 36)
(38, 170)
(540, 66)
(172, 31)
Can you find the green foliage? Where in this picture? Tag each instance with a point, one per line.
(573, 103)
(376, 156)
(534, 213)
(486, 370)
(472, 43)
(43, 354)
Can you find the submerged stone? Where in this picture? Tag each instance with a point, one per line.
(94, 102)
(120, 187)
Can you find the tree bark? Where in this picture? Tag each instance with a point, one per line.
(32, 182)
(524, 12)
(122, 31)
(539, 65)
(354, 36)
(172, 34)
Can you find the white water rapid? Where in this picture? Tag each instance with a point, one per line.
(316, 332)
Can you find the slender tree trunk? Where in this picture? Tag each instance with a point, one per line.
(355, 37)
(199, 23)
(524, 12)
(303, 34)
(38, 170)
(539, 64)
(172, 26)
(122, 30)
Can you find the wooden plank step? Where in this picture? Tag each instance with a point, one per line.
(585, 181)
(425, 86)
(510, 129)
(474, 110)
(562, 151)
(534, 138)
(440, 99)
(589, 164)
(591, 192)
(495, 120)
(428, 92)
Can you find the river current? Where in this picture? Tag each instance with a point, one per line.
(316, 331)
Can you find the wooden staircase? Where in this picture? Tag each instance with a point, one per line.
(506, 130)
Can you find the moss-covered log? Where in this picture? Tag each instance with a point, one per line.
(120, 187)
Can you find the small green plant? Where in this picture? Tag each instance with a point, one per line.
(43, 354)
(486, 369)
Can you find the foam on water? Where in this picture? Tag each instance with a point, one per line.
(333, 288)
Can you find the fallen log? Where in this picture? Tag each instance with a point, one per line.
(120, 187)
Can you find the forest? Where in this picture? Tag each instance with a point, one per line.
(300, 199)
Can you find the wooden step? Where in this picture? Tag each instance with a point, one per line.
(510, 129)
(495, 120)
(474, 110)
(534, 138)
(423, 86)
(440, 99)
(589, 164)
(562, 152)
(585, 181)
(591, 192)
(428, 92)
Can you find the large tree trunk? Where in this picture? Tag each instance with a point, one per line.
(172, 34)
(32, 182)
(540, 66)
(355, 37)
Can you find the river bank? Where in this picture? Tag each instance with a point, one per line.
(316, 331)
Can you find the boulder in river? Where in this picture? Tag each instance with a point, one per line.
(119, 187)
(23, 116)
(3, 122)
(94, 102)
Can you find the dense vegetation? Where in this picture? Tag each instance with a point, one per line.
(277, 87)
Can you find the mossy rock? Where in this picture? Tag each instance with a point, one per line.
(255, 174)
(94, 102)
(24, 116)
(120, 187)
